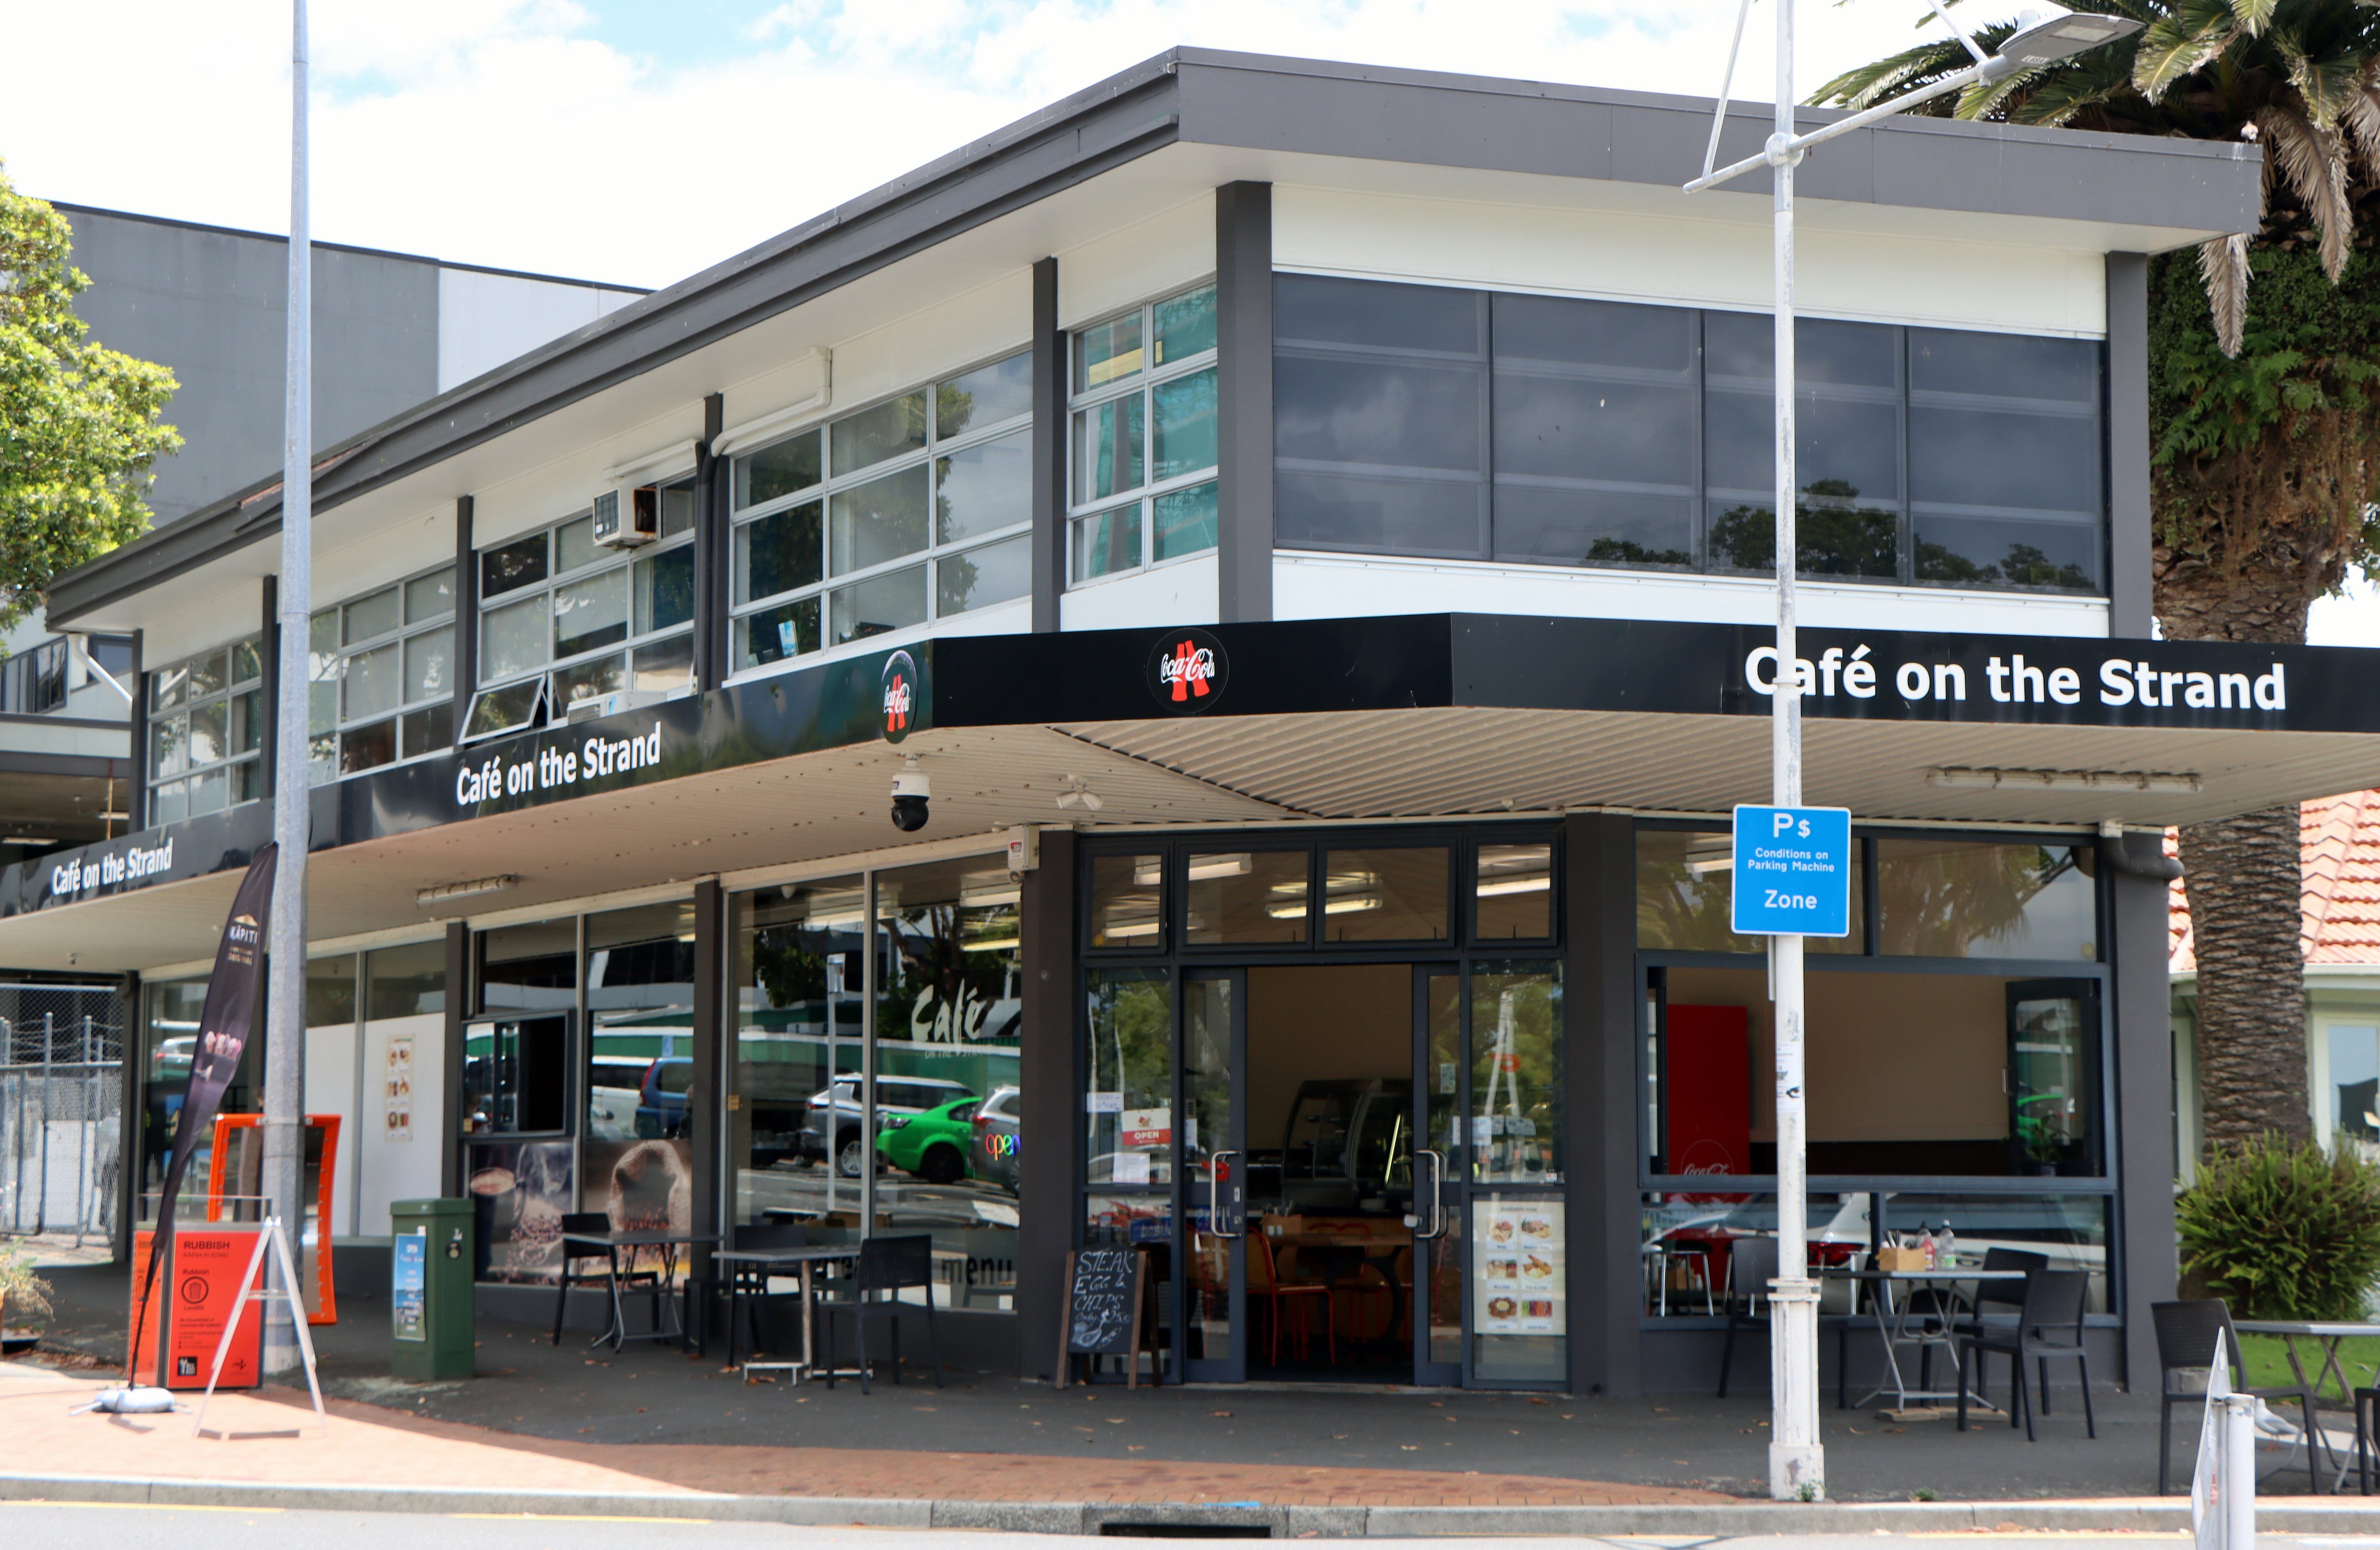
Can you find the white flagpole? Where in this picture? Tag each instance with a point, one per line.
(284, 1046)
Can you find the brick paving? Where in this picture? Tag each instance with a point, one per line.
(368, 1444)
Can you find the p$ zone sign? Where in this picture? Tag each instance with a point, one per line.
(900, 688)
(1188, 672)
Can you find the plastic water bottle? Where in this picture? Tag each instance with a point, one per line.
(1946, 1246)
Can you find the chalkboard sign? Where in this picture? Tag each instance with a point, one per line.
(1104, 1289)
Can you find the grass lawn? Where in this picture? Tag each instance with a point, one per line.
(2267, 1359)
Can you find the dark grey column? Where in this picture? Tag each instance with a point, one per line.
(132, 1130)
(269, 650)
(447, 1117)
(1049, 448)
(1599, 1092)
(705, 1111)
(466, 611)
(137, 805)
(1048, 1104)
(2129, 603)
(1244, 372)
(2143, 1086)
(711, 547)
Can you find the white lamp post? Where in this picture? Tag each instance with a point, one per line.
(1797, 1462)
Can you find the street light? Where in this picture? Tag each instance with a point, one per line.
(1797, 1463)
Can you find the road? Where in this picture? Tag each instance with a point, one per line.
(242, 1528)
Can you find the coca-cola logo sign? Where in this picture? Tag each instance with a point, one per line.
(1188, 671)
(900, 705)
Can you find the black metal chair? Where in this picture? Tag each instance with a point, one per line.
(1751, 1265)
(887, 1267)
(609, 1273)
(2049, 1327)
(2186, 1333)
(1997, 1305)
(748, 1286)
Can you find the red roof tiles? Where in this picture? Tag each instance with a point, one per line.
(2339, 857)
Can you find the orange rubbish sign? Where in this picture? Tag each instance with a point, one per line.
(209, 1259)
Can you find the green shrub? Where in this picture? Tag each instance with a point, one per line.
(2284, 1230)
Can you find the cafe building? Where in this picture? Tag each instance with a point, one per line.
(1176, 678)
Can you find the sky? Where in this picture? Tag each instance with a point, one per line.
(636, 141)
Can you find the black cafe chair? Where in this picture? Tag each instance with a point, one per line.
(887, 1267)
(750, 1286)
(2049, 1328)
(1751, 1265)
(2186, 1333)
(602, 1268)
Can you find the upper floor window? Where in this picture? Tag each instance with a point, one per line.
(206, 731)
(915, 509)
(1421, 420)
(1142, 438)
(564, 622)
(33, 683)
(379, 677)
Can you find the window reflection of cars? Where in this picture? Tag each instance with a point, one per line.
(833, 1126)
(661, 1098)
(174, 1057)
(931, 1146)
(995, 1142)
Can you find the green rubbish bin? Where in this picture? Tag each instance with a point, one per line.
(431, 1318)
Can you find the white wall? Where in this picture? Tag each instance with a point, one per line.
(1180, 593)
(393, 1170)
(331, 1089)
(1630, 257)
(1315, 586)
(485, 320)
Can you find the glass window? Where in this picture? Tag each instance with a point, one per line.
(896, 488)
(429, 597)
(877, 606)
(991, 572)
(372, 685)
(1982, 516)
(1968, 899)
(1127, 893)
(517, 564)
(2353, 1051)
(204, 751)
(367, 616)
(799, 964)
(1385, 895)
(1516, 1063)
(407, 981)
(1248, 896)
(1514, 892)
(516, 1076)
(1146, 429)
(781, 468)
(537, 649)
(637, 1152)
(330, 990)
(430, 664)
(1128, 1065)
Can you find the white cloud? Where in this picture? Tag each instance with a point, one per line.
(511, 134)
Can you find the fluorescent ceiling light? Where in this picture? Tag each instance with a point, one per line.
(1003, 945)
(29, 840)
(1204, 866)
(1513, 884)
(477, 886)
(1704, 865)
(1958, 778)
(1135, 929)
(1148, 871)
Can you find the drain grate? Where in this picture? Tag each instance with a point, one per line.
(1186, 1531)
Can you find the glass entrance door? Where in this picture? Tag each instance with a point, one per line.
(1213, 1143)
(1437, 1281)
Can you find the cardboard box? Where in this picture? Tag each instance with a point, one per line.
(1901, 1259)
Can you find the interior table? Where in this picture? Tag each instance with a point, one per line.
(612, 1244)
(1893, 1328)
(2326, 1335)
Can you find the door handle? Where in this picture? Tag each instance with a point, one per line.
(1219, 1180)
(1436, 1193)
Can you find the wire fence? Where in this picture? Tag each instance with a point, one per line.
(61, 1111)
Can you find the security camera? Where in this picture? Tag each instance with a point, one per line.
(910, 791)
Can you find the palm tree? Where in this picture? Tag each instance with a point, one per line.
(2264, 410)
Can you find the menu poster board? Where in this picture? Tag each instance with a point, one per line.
(397, 1089)
(407, 1270)
(1520, 1265)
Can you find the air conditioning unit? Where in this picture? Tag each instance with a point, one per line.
(630, 517)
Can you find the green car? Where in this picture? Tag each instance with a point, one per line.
(933, 1146)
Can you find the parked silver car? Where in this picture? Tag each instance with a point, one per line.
(992, 1147)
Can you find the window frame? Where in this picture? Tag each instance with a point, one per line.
(235, 687)
(1142, 382)
(548, 705)
(744, 606)
(400, 636)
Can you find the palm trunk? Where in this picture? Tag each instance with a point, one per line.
(2244, 882)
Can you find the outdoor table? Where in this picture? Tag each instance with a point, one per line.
(1892, 1325)
(2327, 1334)
(612, 1244)
(805, 1260)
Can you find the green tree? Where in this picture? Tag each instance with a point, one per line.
(2263, 353)
(78, 423)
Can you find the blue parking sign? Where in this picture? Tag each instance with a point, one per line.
(1793, 871)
